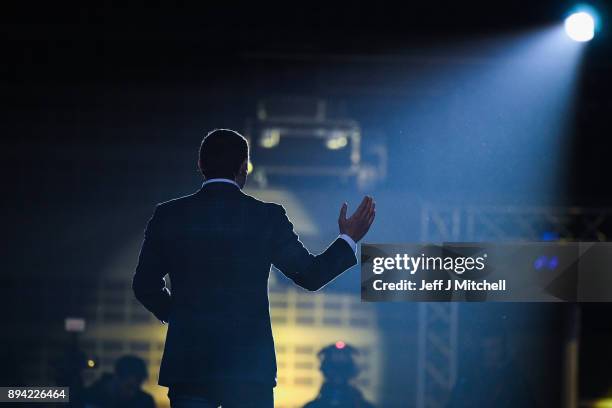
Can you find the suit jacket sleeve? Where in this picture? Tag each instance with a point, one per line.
(309, 271)
(149, 284)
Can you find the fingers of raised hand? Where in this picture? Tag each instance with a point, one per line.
(364, 212)
(372, 214)
(368, 217)
(343, 209)
(362, 207)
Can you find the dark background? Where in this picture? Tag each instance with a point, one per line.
(103, 107)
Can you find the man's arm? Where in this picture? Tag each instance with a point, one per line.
(149, 284)
(312, 272)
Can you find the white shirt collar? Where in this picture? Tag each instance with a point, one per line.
(220, 180)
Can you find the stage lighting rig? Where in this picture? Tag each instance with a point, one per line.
(582, 23)
(303, 137)
(580, 26)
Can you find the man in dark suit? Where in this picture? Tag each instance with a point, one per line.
(217, 246)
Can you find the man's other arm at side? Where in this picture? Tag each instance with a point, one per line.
(149, 284)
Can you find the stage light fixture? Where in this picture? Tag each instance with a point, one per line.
(270, 138)
(337, 140)
(580, 26)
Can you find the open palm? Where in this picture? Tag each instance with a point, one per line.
(358, 224)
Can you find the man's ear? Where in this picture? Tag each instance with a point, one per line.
(244, 169)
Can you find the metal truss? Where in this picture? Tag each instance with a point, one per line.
(437, 348)
(439, 224)
(438, 322)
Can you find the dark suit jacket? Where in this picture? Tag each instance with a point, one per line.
(217, 246)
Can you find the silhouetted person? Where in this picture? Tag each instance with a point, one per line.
(217, 245)
(491, 379)
(69, 372)
(123, 388)
(338, 368)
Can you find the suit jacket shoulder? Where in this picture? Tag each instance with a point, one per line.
(175, 203)
(271, 209)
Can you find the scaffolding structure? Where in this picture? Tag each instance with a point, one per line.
(438, 322)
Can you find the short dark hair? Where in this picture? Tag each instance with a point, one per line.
(222, 152)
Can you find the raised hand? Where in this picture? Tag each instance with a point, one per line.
(358, 224)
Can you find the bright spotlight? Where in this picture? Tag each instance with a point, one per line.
(270, 138)
(337, 140)
(580, 26)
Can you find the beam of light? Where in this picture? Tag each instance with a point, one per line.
(491, 119)
(580, 26)
(491, 126)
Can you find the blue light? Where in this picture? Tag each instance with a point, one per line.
(540, 262)
(580, 26)
(543, 261)
(582, 23)
(549, 236)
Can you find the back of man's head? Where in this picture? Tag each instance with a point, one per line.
(222, 153)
